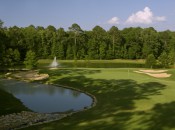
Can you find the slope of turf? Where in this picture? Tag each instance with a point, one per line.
(9, 104)
(126, 100)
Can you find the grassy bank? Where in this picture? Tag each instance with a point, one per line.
(9, 104)
(126, 100)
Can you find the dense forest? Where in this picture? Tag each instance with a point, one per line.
(76, 43)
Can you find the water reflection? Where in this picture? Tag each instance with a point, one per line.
(46, 98)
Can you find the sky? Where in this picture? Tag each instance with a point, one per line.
(159, 14)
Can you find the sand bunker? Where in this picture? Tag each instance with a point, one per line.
(155, 73)
(161, 75)
(29, 75)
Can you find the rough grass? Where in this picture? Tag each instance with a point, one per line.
(126, 100)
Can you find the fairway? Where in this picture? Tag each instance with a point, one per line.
(125, 100)
(87, 65)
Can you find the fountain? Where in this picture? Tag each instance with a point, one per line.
(54, 64)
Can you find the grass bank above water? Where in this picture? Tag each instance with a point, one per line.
(126, 100)
(9, 104)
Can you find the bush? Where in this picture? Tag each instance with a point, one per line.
(164, 60)
(150, 61)
(30, 60)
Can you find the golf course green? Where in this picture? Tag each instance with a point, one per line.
(126, 100)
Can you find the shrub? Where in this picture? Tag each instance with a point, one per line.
(30, 60)
(150, 61)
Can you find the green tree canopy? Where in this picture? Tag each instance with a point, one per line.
(165, 60)
(30, 60)
(150, 61)
(76, 30)
(98, 43)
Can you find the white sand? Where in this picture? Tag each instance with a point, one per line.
(161, 75)
(155, 73)
(30, 75)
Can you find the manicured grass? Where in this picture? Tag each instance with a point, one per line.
(126, 100)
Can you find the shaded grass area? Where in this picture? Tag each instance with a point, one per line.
(9, 104)
(126, 100)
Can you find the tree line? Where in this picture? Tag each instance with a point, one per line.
(76, 43)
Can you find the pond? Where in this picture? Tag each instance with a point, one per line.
(43, 98)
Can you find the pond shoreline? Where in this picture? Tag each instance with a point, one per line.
(24, 118)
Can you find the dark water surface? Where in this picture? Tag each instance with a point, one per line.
(46, 98)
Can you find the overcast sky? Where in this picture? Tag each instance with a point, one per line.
(159, 14)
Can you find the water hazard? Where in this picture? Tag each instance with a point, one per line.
(46, 98)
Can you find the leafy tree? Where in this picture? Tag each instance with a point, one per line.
(54, 49)
(69, 53)
(12, 58)
(134, 51)
(16, 56)
(171, 57)
(102, 49)
(30, 35)
(8, 59)
(1, 23)
(129, 43)
(92, 49)
(62, 43)
(30, 60)
(51, 28)
(3, 40)
(110, 54)
(76, 29)
(132, 43)
(165, 38)
(61, 51)
(116, 39)
(164, 60)
(98, 41)
(43, 50)
(151, 43)
(150, 61)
